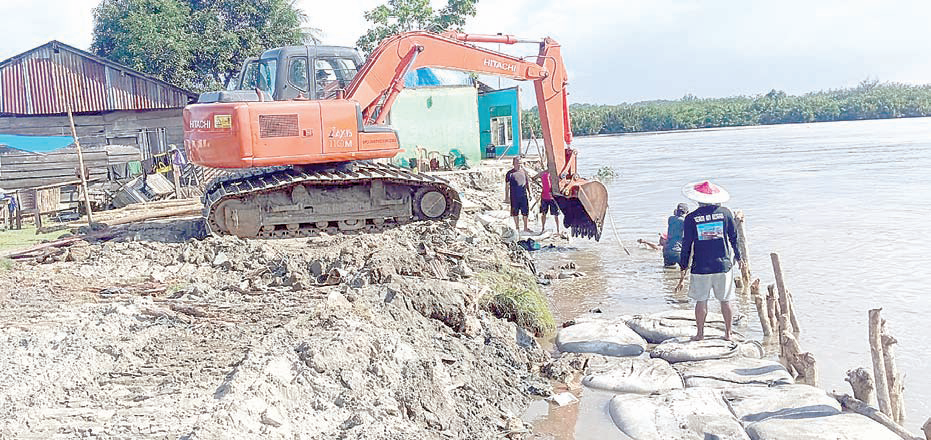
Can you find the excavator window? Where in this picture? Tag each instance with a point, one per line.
(297, 73)
(332, 74)
(260, 74)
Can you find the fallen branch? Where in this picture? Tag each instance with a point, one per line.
(852, 404)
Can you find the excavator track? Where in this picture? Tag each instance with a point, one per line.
(286, 202)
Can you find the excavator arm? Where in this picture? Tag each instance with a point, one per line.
(381, 79)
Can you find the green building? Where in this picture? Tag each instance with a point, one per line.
(441, 110)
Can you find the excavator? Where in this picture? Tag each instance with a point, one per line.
(306, 165)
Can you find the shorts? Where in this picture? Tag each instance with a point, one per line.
(520, 205)
(701, 285)
(549, 207)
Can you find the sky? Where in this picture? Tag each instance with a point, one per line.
(627, 51)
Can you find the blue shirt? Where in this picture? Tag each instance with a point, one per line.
(709, 238)
(673, 246)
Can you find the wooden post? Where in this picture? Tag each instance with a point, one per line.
(861, 381)
(77, 144)
(742, 243)
(781, 288)
(926, 428)
(879, 367)
(760, 307)
(893, 379)
(792, 318)
(852, 404)
(772, 307)
(804, 364)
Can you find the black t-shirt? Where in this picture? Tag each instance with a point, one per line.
(517, 183)
(709, 238)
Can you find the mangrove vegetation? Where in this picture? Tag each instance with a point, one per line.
(869, 100)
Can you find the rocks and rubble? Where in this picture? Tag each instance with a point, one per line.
(152, 334)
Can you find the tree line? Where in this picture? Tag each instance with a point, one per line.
(869, 100)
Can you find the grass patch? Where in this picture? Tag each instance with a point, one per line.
(12, 239)
(517, 297)
(6, 264)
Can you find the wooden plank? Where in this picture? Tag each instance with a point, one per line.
(46, 181)
(49, 158)
(47, 172)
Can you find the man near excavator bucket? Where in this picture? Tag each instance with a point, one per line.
(516, 182)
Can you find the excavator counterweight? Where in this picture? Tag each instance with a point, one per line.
(304, 164)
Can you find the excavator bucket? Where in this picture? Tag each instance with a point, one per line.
(584, 208)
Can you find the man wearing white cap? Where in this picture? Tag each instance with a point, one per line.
(710, 240)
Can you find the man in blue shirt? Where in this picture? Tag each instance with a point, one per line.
(672, 248)
(709, 249)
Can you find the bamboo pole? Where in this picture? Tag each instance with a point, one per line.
(852, 404)
(861, 381)
(879, 367)
(742, 243)
(893, 378)
(77, 144)
(781, 288)
(760, 307)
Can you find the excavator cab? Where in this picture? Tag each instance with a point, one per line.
(312, 72)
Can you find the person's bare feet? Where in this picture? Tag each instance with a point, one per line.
(697, 338)
(727, 337)
(527, 230)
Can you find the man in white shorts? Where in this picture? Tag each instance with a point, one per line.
(709, 240)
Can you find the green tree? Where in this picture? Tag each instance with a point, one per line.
(198, 44)
(398, 16)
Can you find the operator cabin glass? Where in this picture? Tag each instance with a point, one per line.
(260, 75)
(297, 73)
(333, 74)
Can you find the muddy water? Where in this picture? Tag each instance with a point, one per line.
(846, 205)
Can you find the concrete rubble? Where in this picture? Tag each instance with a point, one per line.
(155, 334)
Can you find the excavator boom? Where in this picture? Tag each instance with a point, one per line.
(323, 142)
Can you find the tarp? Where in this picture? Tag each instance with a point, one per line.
(35, 144)
(430, 77)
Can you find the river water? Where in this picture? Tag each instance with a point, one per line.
(844, 204)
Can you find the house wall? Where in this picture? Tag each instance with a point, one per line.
(118, 127)
(490, 105)
(439, 119)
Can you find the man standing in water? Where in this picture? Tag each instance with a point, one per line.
(709, 239)
(516, 182)
(547, 203)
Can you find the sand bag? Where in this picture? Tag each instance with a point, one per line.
(656, 329)
(610, 338)
(684, 350)
(736, 371)
(847, 426)
(698, 413)
(754, 404)
(637, 375)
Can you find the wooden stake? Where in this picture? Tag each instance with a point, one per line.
(772, 307)
(879, 367)
(852, 404)
(781, 288)
(926, 428)
(742, 243)
(893, 379)
(804, 364)
(861, 381)
(74, 134)
(792, 318)
(760, 307)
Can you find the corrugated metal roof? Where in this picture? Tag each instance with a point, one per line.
(30, 84)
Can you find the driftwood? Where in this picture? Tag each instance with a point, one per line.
(792, 317)
(893, 378)
(926, 428)
(803, 363)
(879, 366)
(861, 381)
(852, 404)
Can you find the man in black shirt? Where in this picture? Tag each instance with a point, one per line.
(516, 182)
(710, 240)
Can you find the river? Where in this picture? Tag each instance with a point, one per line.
(843, 204)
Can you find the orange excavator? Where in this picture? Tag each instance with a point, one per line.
(308, 166)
